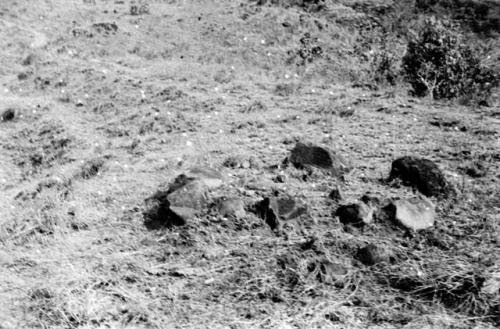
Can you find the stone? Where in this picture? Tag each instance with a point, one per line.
(370, 199)
(158, 213)
(183, 200)
(475, 169)
(415, 213)
(192, 194)
(231, 207)
(422, 174)
(372, 254)
(306, 155)
(273, 209)
(327, 271)
(335, 194)
(210, 177)
(356, 214)
(8, 115)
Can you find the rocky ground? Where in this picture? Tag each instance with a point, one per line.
(229, 164)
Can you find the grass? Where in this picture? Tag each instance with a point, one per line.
(191, 83)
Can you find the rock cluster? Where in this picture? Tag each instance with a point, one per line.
(189, 195)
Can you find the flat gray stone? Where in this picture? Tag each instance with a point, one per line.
(415, 213)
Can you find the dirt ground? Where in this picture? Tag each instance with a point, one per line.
(111, 102)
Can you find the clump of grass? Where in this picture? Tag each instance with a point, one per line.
(91, 168)
(453, 282)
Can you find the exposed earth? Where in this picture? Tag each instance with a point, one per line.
(230, 164)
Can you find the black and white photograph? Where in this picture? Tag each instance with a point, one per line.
(249, 164)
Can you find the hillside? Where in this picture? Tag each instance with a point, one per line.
(104, 103)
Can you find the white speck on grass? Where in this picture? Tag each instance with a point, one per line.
(189, 143)
(6, 90)
(245, 39)
(287, 76)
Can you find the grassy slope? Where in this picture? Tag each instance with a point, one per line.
(77, 253)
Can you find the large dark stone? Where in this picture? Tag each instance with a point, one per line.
(355, 214)
(422, 174)
(306, 155)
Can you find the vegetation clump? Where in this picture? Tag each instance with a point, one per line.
(440, 64)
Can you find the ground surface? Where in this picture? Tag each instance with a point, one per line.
(144, 97)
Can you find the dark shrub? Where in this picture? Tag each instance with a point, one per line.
(438, 63)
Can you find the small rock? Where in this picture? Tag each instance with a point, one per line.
(260, 184)
(422, 174)
(273, 209)
(280, 178)
(356, 214)
(475, 169)
(241, 162)
(210, 177)
(335, 194)
(370, 199)
(231, 207)
(327, 271)
(305, 155)
(8, 115)
(372, 254)
(346, 113)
